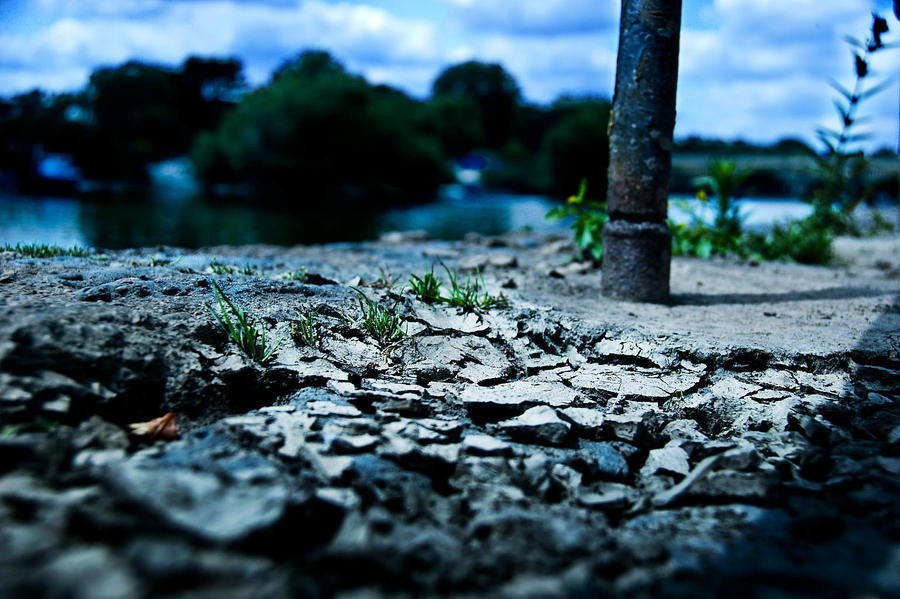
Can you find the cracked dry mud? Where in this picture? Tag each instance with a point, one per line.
(744, 441)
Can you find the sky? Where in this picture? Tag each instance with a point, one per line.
(756, 70)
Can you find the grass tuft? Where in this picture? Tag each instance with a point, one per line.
(471, 294)
(427, 288)
(295, 275)
(220, 268)
(242, 328)
(305, 332)
(384, 324)
(42, 250)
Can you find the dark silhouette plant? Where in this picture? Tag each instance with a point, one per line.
(840, 166)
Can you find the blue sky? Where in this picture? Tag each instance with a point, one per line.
(750, 69)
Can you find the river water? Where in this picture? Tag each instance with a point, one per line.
(180, 219)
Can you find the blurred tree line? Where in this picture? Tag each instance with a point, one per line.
(313, 130)
(124, 119)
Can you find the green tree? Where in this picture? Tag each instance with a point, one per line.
(318, 131)
(493, 90)
(576, 147)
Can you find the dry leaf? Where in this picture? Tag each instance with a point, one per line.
(163, 428)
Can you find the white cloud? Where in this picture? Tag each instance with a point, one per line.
(537, 17)
(763, 72)
(264, 33)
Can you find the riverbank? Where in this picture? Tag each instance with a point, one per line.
(744, 440)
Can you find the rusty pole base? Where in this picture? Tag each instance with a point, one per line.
(636, 259)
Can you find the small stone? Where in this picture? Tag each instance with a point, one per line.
(670, 459)
(341, 387)
(436, 461)
(540, 424)
(485, 445)
(627, 427)
(350, 444)
(569, 477)
(200, 503)
(346, 499)
(415, 431)
(684, 430)
(587, 421)
(328, 408)
(727, 485)
(599, 461)
(333, 468)
(483, 375)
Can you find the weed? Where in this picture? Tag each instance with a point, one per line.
(219, 268)
(384, 324)
(305, 332)
(841, 170)
(295, 275)
(471, 295)
(42, 250)
(242, 329)
(427, 288)
(385, 279)
(590, 216)
(154, 261)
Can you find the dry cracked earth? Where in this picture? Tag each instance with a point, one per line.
(742, 442)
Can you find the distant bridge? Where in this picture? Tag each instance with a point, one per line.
(777, 175)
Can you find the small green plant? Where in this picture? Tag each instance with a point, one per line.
(295, 275)
(385, 279)
(305, 332)
(384, 324)
(241, 327)
(724, 181)
(471, 294)
(218, 268)
(427, 288)
(42, 250)
(590, 217)
(155, 261)
(841, 170)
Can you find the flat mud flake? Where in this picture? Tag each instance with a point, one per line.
(352, 352)
(200, 503)
(732, 388)
(671, 459)
(414, 431)
(540, 424)
(394, 387)
(317, 371)
(587, 421)
(163, 428)
(515, 397)
(440, 350)
(628, 348)
(483, 375)
(837, 384)
(443, 319)
(634, 383)
(485, 445)
(328, 408)
(772, 379)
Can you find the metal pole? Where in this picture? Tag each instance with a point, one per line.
(637, 245)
